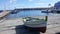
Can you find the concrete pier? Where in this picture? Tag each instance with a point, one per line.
(15, 26)
(4, 13)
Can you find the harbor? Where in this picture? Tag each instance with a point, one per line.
(15, 25)
(30, 17)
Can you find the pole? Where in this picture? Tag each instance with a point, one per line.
(46, 18)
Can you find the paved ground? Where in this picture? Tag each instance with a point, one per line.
(15, 26)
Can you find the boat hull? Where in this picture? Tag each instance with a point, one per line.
(39, 29)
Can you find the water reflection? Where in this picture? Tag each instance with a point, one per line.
(21, 30)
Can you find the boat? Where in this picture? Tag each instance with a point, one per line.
(35, 24)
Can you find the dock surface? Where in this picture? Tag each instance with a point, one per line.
(15, 26)
(4, 13)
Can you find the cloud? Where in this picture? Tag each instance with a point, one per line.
(11, 1)
(40, 3)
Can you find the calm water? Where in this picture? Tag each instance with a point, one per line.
(28, 13)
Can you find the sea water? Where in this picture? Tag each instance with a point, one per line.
(28, 13)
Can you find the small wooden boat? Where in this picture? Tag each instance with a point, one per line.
(35, 24)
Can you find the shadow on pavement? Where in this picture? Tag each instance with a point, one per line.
(57, 33)
(21, 30)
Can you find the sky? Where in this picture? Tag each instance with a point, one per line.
(12, 4)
